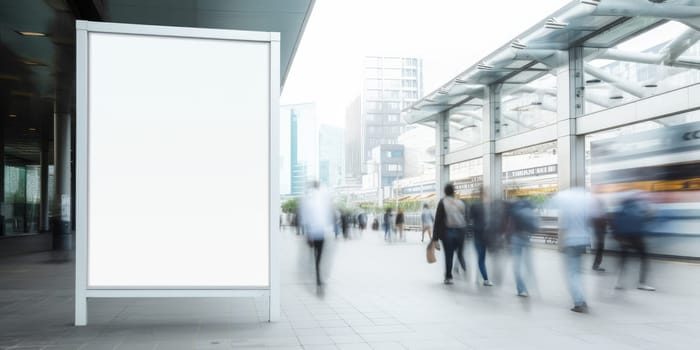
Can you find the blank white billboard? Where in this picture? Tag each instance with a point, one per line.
(178, 162)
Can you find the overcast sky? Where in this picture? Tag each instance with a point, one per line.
(449, 35)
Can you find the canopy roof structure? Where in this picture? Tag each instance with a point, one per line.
(597, 26)
(37, 49)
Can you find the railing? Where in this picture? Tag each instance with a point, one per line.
(548, 232)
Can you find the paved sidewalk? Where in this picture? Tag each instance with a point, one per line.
(379, 296)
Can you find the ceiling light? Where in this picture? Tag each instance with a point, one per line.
(33, 63)
(554, 23)
(12, 115)
(484, 66)
(32, 129)
(9, 77)
(518, 44)
(616, 97)
(651, 85)
(29, 33)
(468, 127)
(593, 81)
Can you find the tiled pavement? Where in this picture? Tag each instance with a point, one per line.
(378, 296)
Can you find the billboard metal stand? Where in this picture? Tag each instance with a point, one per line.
(85, 287)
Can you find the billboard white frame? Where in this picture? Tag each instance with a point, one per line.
(82, 290)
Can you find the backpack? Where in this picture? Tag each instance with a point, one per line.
(630, 218)
(524, 217)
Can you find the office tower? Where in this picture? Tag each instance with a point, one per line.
(331, 160)
(390, 85)
(298, 147)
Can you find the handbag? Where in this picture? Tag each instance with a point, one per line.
(430, 253)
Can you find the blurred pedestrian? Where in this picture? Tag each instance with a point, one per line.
(450, 227)
(426, 218)
(399, 224)
(345, 224)
(576, 211)
(298, 221)
(388, 223)
(600, 227)
(629, 223)
(317, 217)
(477, 215)
(336, 222)
(362, 221)
(497, 224)
(523, 222)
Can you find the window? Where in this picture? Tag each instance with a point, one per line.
(372, 106)
(390, 73)
(394, 167)
(410, 94)
(392, 62)
(392, 118)
(409, 84)
(392, 84)
(372, 73)
(391, 94)
(409, 73)
(373, 94)
(394, 154)
(392, 106)
(373, 84)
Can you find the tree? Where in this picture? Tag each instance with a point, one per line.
(290, 206)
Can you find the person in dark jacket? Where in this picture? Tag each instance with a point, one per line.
(523, 223)
(450, 227)
(600, 227)
(629, 223)
(388, 223)
(478, 218)
(399, 224)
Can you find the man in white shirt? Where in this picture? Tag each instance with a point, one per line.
(317, 218)
(576, 211)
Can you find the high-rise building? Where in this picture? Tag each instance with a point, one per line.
(331, 162)
(390, 85)
(353, 143)
(299, 148)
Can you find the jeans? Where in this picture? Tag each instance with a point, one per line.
(387, 232)
(573, 273)
(317, 246)
(480, 246)
(453, 242)
(634, 242)
(521, 256)
(599, 247)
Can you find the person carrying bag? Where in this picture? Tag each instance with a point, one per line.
(430, 251)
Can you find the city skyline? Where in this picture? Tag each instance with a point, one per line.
(329, 60)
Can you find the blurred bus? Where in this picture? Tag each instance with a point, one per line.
(664, 163)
